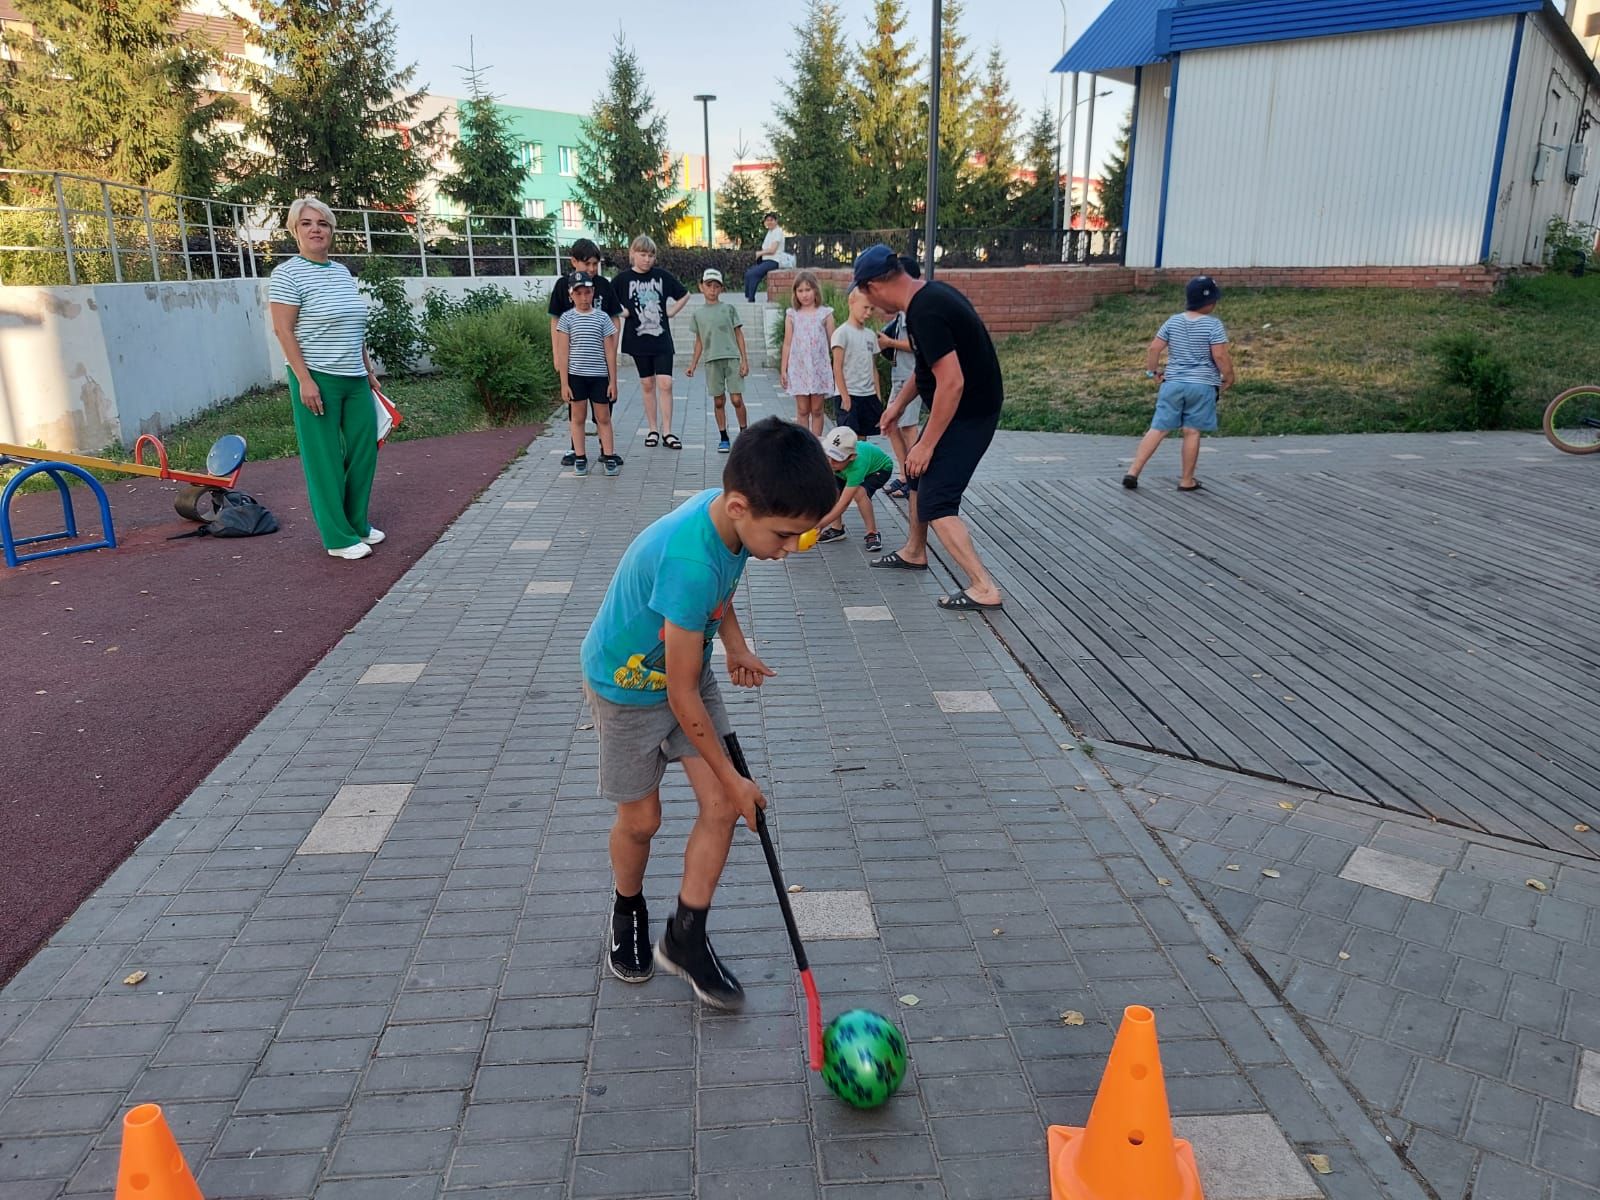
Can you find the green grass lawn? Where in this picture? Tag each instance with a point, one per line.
(1335, 361)
(432, 406)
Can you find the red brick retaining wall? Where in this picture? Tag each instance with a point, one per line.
(1021, 299)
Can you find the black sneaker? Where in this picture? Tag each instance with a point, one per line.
(570, 457)
(629, 955)
(703, 971)
(830, 535)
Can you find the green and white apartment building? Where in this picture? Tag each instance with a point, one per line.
(548, 146)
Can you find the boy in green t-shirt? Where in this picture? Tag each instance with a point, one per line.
(719, 333)
(860, 469)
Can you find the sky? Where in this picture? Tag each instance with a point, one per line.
(738, 51)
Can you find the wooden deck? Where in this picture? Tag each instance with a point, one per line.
(1425, 640)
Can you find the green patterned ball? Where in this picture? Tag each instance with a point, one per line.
(863, 1058)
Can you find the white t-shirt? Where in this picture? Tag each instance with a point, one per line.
(860, 346)
(772, 244)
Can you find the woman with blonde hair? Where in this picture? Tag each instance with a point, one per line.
(320, 319)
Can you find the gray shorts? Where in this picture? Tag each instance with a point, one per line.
(637, 741)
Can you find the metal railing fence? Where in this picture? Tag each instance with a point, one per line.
(962, 246)
(57, 227)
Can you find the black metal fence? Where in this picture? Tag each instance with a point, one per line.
(958, 246)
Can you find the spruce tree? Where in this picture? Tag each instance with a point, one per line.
(337, 117)
(885, 94)
(740, 209)
(625, 178)
(111, 90)
(990, 184)
(488, 177)
(1034, 203)
(816, 183)
(1114, 179)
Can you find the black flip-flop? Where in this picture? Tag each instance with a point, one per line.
(672, 442)
(1197, 486)
(961, 602)
(652, 438)
(893, 559)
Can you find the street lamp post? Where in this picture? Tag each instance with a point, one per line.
(705, 112)
(932, 205)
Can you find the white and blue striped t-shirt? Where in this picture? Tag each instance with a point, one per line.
(586, 341)
(332, 325)
(1189, 341)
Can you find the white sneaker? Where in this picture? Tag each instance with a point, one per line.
(374, 535)
(359, 550)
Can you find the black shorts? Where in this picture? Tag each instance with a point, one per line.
(653, 364)
(863, 417)
(872, 484)
(955, 459)
(589, 389)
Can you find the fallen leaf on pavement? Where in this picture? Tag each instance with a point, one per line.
(1320, 1163)
(136, 978)
(1072, 1017)
(1538, 885)
(909, 1000)
(795, 888)
(1270, 872)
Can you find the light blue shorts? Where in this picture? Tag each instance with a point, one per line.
(1186, 406)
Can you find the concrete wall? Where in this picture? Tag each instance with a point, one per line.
(83, 367)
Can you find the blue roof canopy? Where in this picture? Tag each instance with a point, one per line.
(1135, 33)
(1121, 38)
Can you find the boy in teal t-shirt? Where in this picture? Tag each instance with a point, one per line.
(860, 469)
(647, 676)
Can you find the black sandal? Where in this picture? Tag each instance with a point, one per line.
(652, 438)
(671, 442)
(893, 561)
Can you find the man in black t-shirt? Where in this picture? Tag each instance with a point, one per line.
(958, 378)
(585, 257)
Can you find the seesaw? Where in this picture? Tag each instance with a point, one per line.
(223, 463)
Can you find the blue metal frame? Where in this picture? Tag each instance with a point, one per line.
(1133, 144)
(54, 470)
(1166, 160)
(1500, 141)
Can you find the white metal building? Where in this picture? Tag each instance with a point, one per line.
(1274, 133)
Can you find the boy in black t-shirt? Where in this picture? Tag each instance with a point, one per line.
(650, 298)
(958, 378)
(584, 256)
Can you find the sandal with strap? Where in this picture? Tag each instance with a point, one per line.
(893, 561)
(671, 442)
(652, 438)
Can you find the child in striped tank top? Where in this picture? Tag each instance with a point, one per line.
(585, 349)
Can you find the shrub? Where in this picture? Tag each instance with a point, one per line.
(1568, 245)
(394, 334)
(502, 354)
(440, 306)
(1478, 382)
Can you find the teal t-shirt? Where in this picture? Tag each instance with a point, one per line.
(867, 460)
(678, 569)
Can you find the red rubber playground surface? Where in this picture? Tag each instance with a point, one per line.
(127, 674)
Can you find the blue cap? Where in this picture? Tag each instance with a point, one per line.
(873, 263)
(1202, 290)
(580, 279)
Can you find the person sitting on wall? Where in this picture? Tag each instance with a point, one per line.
(771, 257)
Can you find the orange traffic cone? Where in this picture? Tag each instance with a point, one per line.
(1127, 1151)
(152, 1166)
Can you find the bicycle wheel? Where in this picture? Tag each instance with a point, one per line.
(1572, 422)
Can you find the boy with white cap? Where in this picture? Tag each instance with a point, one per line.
(860, 469)
(719, 334)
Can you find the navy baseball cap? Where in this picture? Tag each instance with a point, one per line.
(873, 263)
(580, 279)
(1202, 290)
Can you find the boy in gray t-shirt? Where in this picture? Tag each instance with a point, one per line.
(855, 369)
(1198, 368)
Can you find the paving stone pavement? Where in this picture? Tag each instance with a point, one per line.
(429, 1017)
(1451, 977)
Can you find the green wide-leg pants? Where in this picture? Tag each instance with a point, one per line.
(339, 451)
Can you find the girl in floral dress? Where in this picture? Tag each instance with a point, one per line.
(806, 370)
